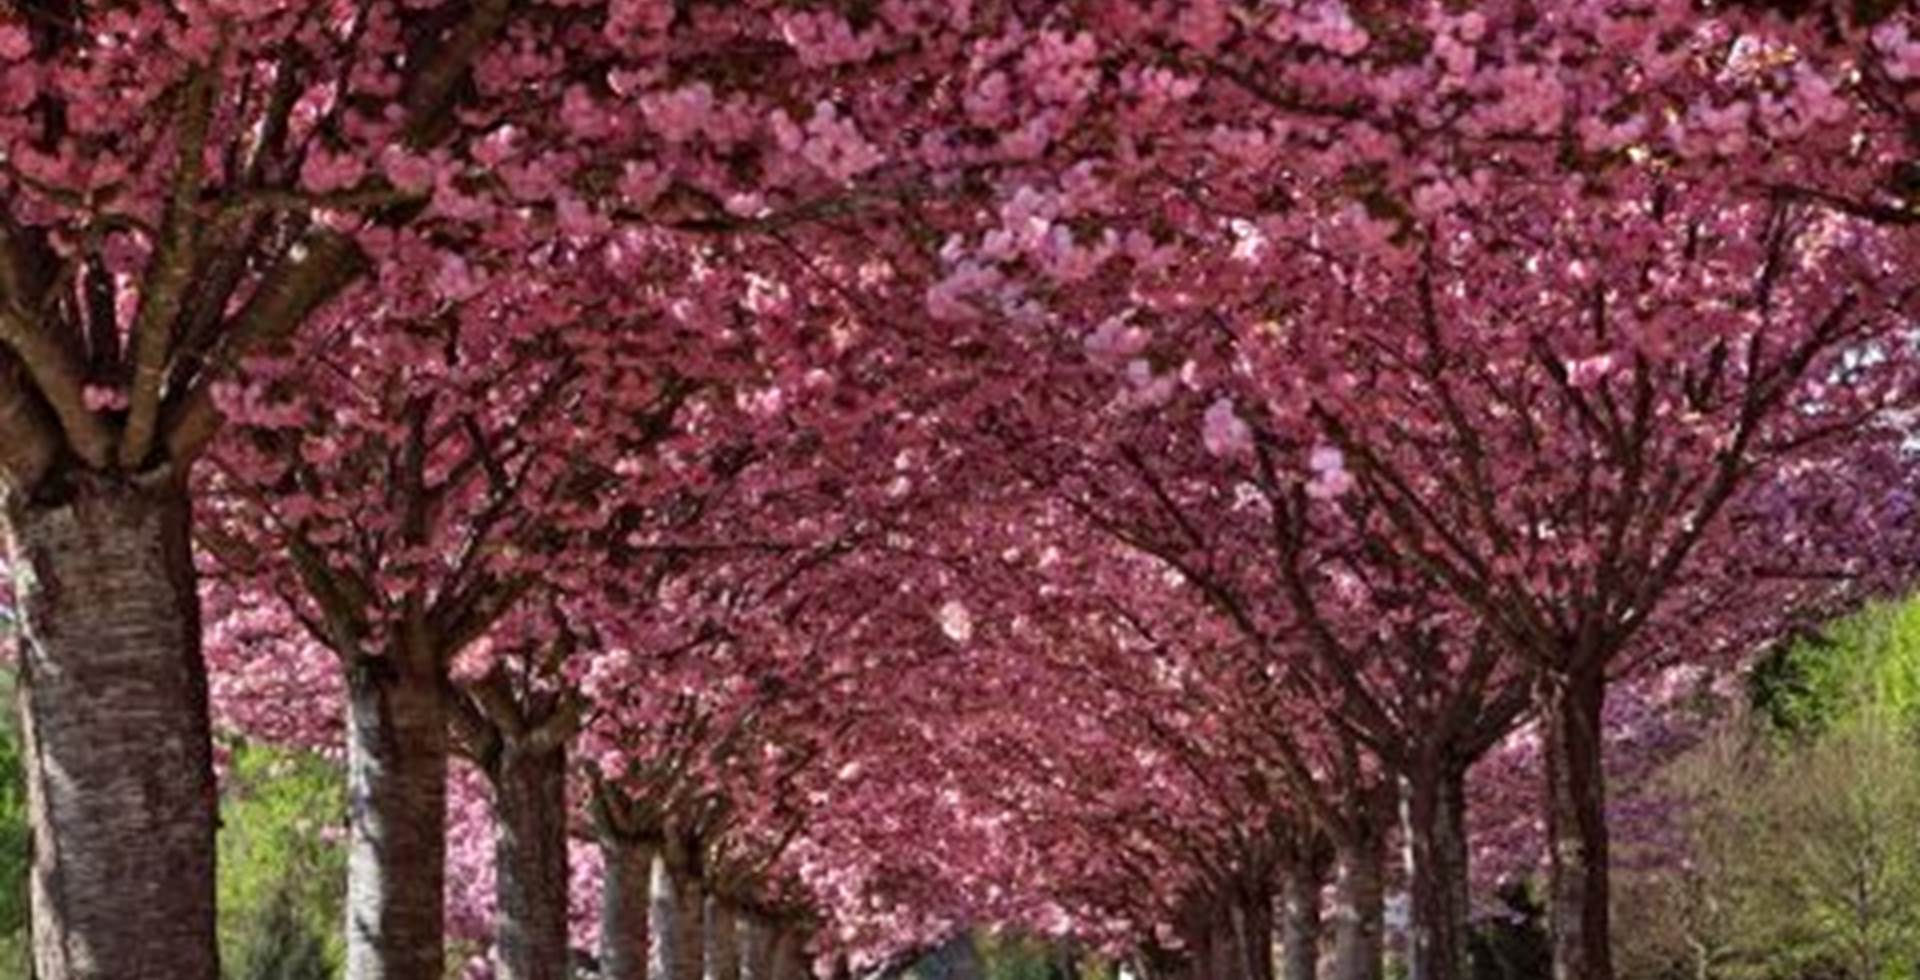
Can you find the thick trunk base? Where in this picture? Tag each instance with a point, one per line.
(756, 947)
(530, 799)
(1578, 888)
(789, 955)
(623, 908)
(396, 817)
(1300, 888)
(113, 703)
(679, 924)
(723, 941)
(1252, 924)
(1359, 913)
(1434, 813)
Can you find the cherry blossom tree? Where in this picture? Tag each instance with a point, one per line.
(1505, 328)
(188, 186)
(1555, 291)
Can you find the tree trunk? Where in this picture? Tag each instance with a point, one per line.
(624, 884)
(530, 860)
(1433, 812)
(1253, 922)
(113, 704)
(1250, 927)
(789, 955)
(664, 923)
(679, 916)
(396, 816)
(756, 947)
(1359, 910)
(1300, 888)
(1223, 948)
(690, 907)
(1199, 935)
(1577, 827)
(723, 941)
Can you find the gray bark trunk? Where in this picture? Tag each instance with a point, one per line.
(1300, 888)
(530, 853)
(663, 925)
(756, 948)
(1253, 924)
(1223, 949)
(113, 704)
(679, 924)
(1359, 911)
(1433, 810)
(1578, 888)
(396, 816)
(1198, 938)
(723, 941)
(789, 955)
(690, 940)
(623, 907)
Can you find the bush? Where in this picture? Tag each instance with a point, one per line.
(1795, 852)
(15, 837)
(282, 866)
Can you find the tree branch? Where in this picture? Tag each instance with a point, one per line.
(57, 373)
(432, 88)
(28, 439)
(165, 285)
(313, 271)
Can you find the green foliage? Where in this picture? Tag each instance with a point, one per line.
(1797, 831)
(283, 944)
(1800, 861)
(14, 836)
(1868, 660)
(282, 872)
(1005, 956)
(1842, 884)
(14, 833)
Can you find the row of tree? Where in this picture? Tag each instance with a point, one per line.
(666, 406)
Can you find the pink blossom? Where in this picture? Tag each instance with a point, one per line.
(1900, 49)
(407, 170)
(1587, 372)
(679, 115)
(101, 398)
(1225, 433)
(324, 171)
(15, 43)
(455, 281)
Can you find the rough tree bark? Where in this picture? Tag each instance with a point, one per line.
(1359, 908)
(690, 903)
(530, 854)
(625, 886)
(113, 704)
(1433, 812)
(396, 814)
(1223, 958)
(662, 912)
(1576, 826)
(723, 941)
(1253, 922)
(1199, 934)
(789, 954)
(756, 947)
(679, 916)
(1300, 886)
